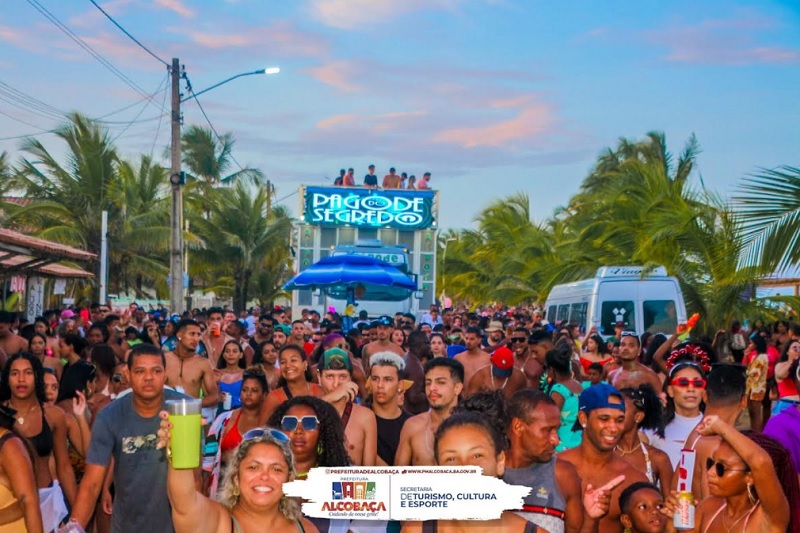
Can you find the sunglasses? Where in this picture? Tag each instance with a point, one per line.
(265, 325)
(517, 339)
(720, 468)
(116, 378)
(697, 383)
(628, 334)
(257, 433)
(308, 423)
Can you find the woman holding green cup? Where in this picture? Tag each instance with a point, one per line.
(251, 498)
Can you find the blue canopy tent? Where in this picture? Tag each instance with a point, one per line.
(351, 277)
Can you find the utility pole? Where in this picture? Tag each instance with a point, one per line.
(176, 220)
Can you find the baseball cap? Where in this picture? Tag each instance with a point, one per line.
(384, 321)
(67, 314)
(494, 325)
(335, 359)
(284, 328)
(502, 362)
(596, 397)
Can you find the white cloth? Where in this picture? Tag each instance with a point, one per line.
(53, 507)
(214, 465)
(675, 435)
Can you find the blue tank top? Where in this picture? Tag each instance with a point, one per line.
(235, 390)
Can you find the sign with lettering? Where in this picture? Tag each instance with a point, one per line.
(370, 208)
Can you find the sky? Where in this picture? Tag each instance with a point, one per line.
(493, 97)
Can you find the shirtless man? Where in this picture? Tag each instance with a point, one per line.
(601, 413)
(523, 357)
(391, 180)
(531, 461)
(188, 372)
(501, 375)
(383, 328)
(360, 427)
(539, 343)
(473, 358)
(419, 347)
(631, 373)
(444, 379)
(10, 342)
(214, 338)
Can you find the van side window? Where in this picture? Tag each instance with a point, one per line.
(577, 315)
(659, 316)
(563, 314)
(617, 311)
(551, 313)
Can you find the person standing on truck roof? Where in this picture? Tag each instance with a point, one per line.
(371, 180)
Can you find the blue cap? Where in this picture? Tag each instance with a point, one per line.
(384, 321)
(596, 397)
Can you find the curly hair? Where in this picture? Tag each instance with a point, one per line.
(38, 377)
(491, 404)
(647, 401)
(228, 494)
(330, 443)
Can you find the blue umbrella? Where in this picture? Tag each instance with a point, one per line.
(346, 277)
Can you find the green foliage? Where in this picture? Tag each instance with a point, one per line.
(636, 207)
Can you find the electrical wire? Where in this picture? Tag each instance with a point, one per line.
(158, 128)
(80, 42)
(208, 120)
(135, 119)
(123, 30)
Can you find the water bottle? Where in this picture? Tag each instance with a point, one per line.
(71, 527)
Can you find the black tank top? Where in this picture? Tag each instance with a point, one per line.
(43, 442)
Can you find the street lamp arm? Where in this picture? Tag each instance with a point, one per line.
(271, 70)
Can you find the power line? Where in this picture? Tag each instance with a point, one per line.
(158, 128)
(123, 30)
(132, 122)
(208, 120)
(80, 42)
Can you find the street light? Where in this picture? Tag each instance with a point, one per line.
(176, 264)
(268, 70)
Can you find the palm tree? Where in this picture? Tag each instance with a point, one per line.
(141, 233)
(209, 160)
(241, 240)
(769, 205)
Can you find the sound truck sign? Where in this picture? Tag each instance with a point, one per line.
(369, 208)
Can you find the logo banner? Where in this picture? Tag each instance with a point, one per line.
(371, 208)
(405, 493)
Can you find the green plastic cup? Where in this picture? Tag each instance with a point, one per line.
(184, 443)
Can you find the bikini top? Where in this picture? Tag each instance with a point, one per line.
(232, 437)
(43, 442)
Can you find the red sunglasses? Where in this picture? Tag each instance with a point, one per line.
(697, 383)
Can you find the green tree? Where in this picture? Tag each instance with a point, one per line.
(242, 238)
(769, 205)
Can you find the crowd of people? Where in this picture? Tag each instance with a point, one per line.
(595, 426)
(392, 180)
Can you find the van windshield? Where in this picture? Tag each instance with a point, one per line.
(660, 316)
(614, 311)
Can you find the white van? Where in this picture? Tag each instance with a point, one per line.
(652, 303)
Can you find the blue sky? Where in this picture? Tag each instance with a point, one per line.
(491, 96)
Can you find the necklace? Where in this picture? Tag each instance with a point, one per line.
(743, 516)
(505, 381)
(624, 452)
(21, 418)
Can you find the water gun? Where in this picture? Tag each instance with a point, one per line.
(685, 329)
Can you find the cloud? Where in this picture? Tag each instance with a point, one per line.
(338, 74)
(353, 14)
(728, 42)
(531, 119)
(335, 121)
(281, 39)
(176, 6)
